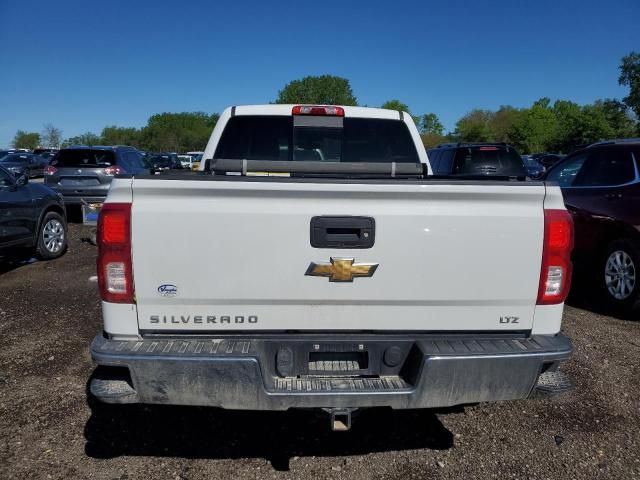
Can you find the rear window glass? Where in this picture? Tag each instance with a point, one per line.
(132, 162)
(369, 140)
(488, 160)
(566, 172)
(256, 138)
(607, 167)
(83, 158)
(349, 140)
(159, 159)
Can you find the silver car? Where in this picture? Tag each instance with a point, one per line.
(83, 174)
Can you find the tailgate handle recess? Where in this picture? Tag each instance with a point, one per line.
(342, 232)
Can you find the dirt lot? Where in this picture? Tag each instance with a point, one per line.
(50, 311)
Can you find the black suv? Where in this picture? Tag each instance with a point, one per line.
(32, 218)
(476, 160)
(160, 162)
(601, 189)
(83, 174)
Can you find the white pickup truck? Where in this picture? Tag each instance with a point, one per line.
(332, 271)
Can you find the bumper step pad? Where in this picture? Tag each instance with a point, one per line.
(552, 383)
(340, 384)
(171, 347)
(113, 391)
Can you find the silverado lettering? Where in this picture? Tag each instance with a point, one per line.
(198, 319)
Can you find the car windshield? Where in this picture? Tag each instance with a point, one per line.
(14, 158)
(530, 162)
(84, 157)
(325, 139)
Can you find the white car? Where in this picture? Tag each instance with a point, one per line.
(320, 266)
(186, 161)
(195, 159)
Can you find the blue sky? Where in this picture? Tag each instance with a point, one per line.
(82, 65)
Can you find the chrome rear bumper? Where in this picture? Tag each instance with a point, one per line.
(323, 371)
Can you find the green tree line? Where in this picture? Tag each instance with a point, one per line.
(168, 132)
(542, 127)
(547, 127)
(174, 132)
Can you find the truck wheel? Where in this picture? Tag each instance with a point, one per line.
(619, 275)
(52, 237)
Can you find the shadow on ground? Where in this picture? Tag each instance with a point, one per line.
(199, 432)
(16, 261)
(584, 296)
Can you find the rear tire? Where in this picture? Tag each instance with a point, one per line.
(617, 276)
(52, 236)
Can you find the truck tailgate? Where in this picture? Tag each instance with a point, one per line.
(231, 254)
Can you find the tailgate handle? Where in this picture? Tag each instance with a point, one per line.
(342, 232)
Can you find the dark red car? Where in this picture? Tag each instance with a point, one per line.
(601, 188)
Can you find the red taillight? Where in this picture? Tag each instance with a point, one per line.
(115, 275)
(113, 170)
(555, 273)
(50, 170)
(317, 110)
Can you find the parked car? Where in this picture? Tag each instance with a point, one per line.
(601, 188)
(47, 157)
(160, 162)
(345, 280)
(32, 217)
(548, 160)
(83, 174)
(12, 150)
(476, 159)
(24, 164)
(40, 151)
(46, 153)
(197, 157)
(534, 168)
(186, 161)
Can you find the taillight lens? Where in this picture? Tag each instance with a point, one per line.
(50, 170)
(115, 275)
(329, 111)
(113, 170)
(555, 274)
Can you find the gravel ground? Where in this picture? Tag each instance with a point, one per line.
(48, 429)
